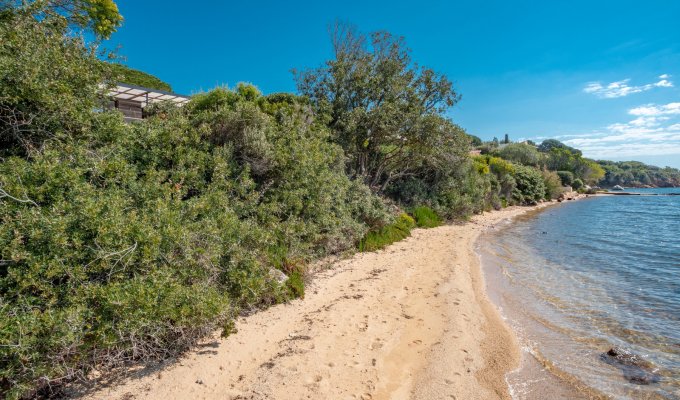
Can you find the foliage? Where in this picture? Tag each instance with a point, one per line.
(522, 153)
(500, 166)
(591, 172)
(426, 217)
(125, 74)
(566, 177)
(499, 184)
(130, 242)
(566, 159)
(577, 184)
(388, 234)
(474, 140)
(48, 85)
(553, 184)
(296, 284)
(530, 187)
(101, 17)
(384, 110)
(165, 232)
(549, 144)
(637, 174)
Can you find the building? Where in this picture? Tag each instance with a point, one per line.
(131, 100)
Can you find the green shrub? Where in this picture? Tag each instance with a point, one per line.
(530, 186)
(553, 184)
(425, 217)
(296, 284)
(139, 239)
(123, 73)
(566, 177)
(577, 184)
(49, 81)
(521, 153)
(388, 234)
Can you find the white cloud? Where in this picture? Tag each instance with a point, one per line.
(622, 88)
(655, 130)
(653, 110)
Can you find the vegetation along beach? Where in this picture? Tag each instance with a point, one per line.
(340, 235)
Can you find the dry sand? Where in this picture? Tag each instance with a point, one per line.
(411, 321)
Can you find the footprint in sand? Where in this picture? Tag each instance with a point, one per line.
(376, 345)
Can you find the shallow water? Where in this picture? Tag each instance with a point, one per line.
(578, 278)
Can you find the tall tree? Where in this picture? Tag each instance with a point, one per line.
(99, 16)
(49, 80)
(383, 109)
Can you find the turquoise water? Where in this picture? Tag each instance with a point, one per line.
(578, 278)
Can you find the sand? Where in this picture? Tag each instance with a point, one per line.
(411, 321)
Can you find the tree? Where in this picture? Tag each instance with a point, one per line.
(101, 17)
(547, 145)
(49, 80)
(530, 185)
(577, 184)
(566, 177)
(475, 141)
(553, 184)
(123, 73)
(383, 109)
(523, 154)
(590, 171)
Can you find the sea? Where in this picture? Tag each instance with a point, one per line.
(579, 278)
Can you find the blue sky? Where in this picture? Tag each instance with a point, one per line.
(603, 76)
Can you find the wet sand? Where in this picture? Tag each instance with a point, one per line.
(410, 321)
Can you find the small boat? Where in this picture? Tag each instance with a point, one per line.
(617, 187)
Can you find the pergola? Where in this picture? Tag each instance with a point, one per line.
(131, 100)
(124, 91)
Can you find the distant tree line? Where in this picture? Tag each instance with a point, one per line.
(576, 171)
(637, 174)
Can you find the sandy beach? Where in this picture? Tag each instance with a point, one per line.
(411, 321)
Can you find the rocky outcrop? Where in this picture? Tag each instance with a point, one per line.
(635, 368)
(278, 276)
(568, 196)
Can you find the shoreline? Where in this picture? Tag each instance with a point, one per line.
(547, 380)
(410, 321)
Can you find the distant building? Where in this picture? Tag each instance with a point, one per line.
(131, 100)
(475, 152)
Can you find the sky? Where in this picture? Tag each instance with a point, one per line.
(602, 76)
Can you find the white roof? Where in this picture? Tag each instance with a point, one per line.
(146, 96)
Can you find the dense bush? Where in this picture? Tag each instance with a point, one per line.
(577, 184)
(387, 113)
(48, 84)
(123, 73)
(530, 186)
(566, 177)
(522, 153)
(130, 242)
(388, 234)
(425, 217)
(553, 184)
(635, 174)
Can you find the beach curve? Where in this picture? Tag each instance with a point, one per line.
(409, 321)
